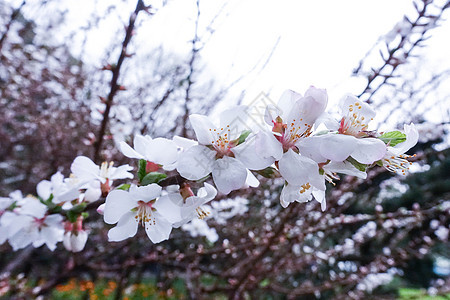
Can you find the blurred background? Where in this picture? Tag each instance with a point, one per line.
(77, 77)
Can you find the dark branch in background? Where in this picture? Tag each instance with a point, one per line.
(423, 20)
(14, 15)
(114, 81)
(194, 52)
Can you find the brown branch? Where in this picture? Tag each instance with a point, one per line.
(114, 81)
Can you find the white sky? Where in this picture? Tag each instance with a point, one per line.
(320, 42)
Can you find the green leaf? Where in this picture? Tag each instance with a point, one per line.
(264, 283)
(141, 171)
(85, 215)
(124, 187)
(361, 167)
(153, 177)
(71, 216)
(243, 136)
(379, 163)
(268, 172)
(393, 138)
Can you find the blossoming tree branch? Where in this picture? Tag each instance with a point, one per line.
(300, 143)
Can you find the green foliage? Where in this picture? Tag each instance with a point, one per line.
(243, 136)
(410, 294)
(393, 138)
(75, 211)
(124, 187)
(153, 177)
(141, 171)
(361, 167)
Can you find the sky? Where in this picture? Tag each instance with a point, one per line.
(309, 42)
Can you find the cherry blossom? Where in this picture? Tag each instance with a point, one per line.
(395, 159)
(137, 206)
(216, 152)
(97, 180)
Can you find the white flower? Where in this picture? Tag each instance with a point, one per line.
(292, 122)
(75, 241)
(199, 227)
(61, 190)
(137, 206)
(395, 159)
(180, 208)
(160, 151)
(218, 151)
(30, 224)
(97, 180)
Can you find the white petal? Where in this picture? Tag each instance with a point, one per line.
(121, 172)
(271, 113)
(247, 154)
(208, 192)
(167, 206)
(345, 167)
(329, 122)
(93, 192)
(291, 193)
(298, 170)
(118, 203)
(184, 143)
(287, 102)
(159, 231)
(236, 118)
(196, 162)
(78, 241)
(202, 127)
(229, 174)
(251, 180)
(366, 111)
(84, 168)
(310, 147)
(162, 151)
(412, 136)
(369, 150)
(337, 147)
(145, 193)
(128, 151)
(319, 195)
(141, 143)
(33, 207)
(267, 146)
(44, 189)
(127, 227)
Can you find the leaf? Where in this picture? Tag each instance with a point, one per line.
(75, 211)
(85, 215)
(264, 283)
(141, 172)
(268, 172)
(243, 136)
(152, 177)
(393, 138)
(361, 167)
(124, 187)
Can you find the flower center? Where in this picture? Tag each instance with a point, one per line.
(144, 214)
(201, 213)
(397, 163)
(222, 142)
(354, 123)
(289, 134)
(105, 169)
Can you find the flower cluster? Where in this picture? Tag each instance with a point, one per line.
(227, 154)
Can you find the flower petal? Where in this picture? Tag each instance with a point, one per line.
(145, 193)
(126, 227)
(196, 162)
(162, 151)
(44, 189)
(247, 154)
(160, 231)
(298, 170)
(229, 174)
(128, 151)
(337, 147)
(117, 204)
(369, 150)
(84, 168)
(167, 206)
(412, 136)
(202, 126)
